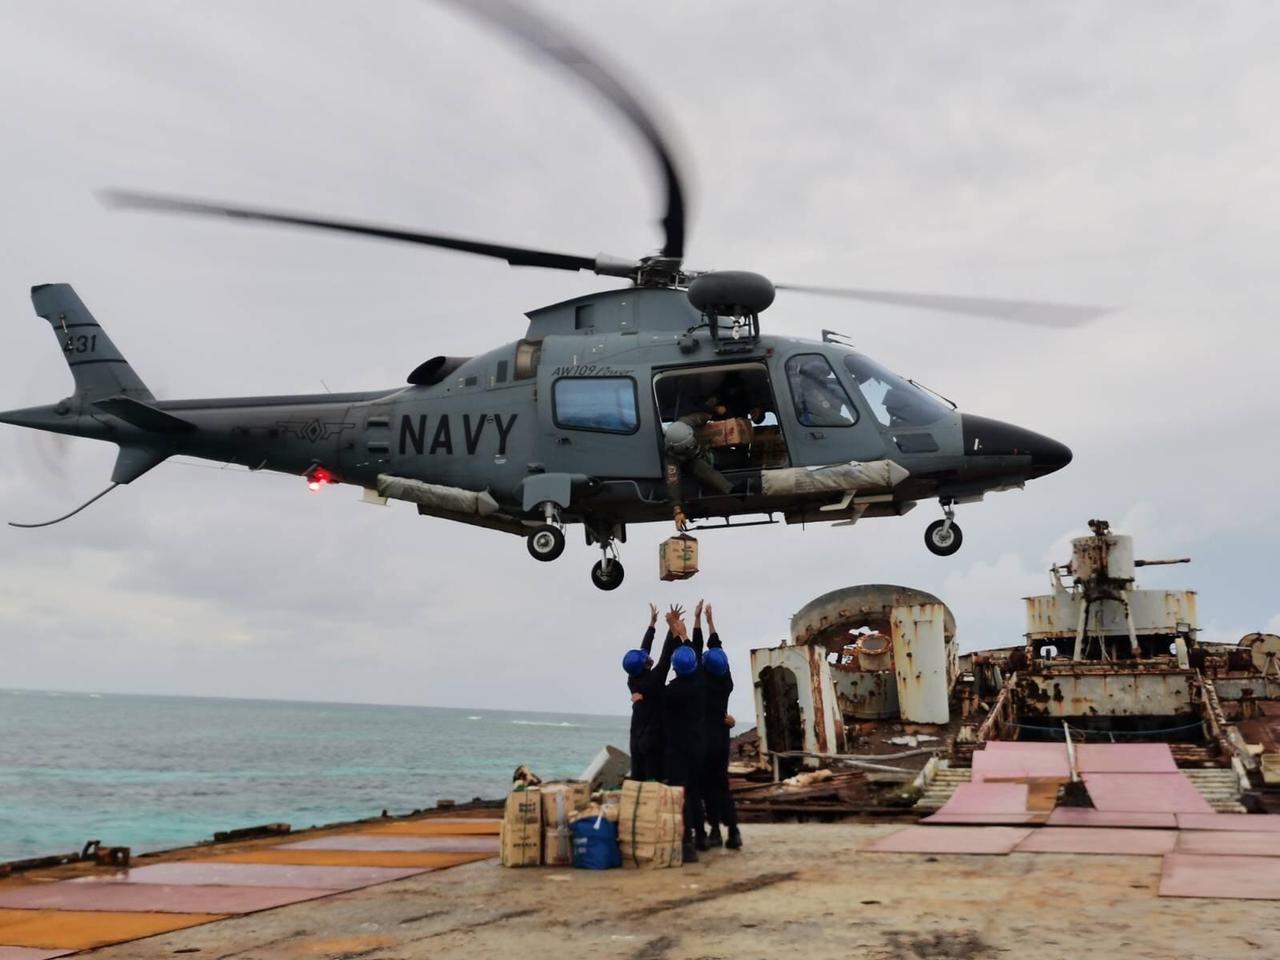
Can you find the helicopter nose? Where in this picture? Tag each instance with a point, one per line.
(986, 437)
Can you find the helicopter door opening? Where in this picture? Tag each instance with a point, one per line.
(732, 406)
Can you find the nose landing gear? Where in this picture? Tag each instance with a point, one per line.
(607, 573)
(943, 537)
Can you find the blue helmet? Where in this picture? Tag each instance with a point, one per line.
(633, 662)
(716, 662)
(685, 661)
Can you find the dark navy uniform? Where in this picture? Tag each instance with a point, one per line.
(715, 780)
(684, 704)
(646, 713)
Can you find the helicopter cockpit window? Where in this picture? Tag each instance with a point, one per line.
(819, 398)
(895, 402)
(603, 404)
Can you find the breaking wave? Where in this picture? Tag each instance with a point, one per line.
(543, 723)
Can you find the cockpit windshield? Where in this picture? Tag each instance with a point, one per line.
(895, 402)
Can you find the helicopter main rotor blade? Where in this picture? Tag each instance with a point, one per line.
(516, 256)
(1019, 311)
(551, 39)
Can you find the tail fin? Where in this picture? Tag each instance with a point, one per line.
(99, 369)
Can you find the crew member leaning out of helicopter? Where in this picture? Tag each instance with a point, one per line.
(718, 723)
(683, 711)
(646, 683)
(684, 452)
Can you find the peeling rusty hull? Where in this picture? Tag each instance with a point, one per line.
(1152, 689)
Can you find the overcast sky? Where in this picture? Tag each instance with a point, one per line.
(1093, 152)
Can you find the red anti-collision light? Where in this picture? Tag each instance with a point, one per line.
(317, 478)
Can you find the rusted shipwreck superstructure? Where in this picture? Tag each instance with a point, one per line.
(871, 681)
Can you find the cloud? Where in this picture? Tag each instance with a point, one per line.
(1094, 152)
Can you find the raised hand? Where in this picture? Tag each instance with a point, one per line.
(697, 614)
(653, 615)
(710, 619)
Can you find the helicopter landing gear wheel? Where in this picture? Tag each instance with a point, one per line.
(943, 537)
(545, 543)
(607, 574)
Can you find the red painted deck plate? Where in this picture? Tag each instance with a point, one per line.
(979, 840)
(1236, 878)
(1087, 817)
(1145, 793)
(1007, 763)
(1100, 840)
(1249, 822)
(1229, 843)
(394, 842)
(1125, 758)
(153, 898)
(987, 798)
(257, 875)
(1007, 819)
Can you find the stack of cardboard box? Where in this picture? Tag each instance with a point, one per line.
(522, 828)
(650, 824)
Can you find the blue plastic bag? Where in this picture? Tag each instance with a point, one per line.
(595, 844)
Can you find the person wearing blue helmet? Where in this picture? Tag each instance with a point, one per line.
(683, 706)
(646, 682)
(718, 725)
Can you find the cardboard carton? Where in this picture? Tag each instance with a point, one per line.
(593, 810)
(522, 828)
(726, 433)
(678, 558)
(561, 798)
(557, 847)
(650, 824)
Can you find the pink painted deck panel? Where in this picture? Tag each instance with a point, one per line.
(31, 953)
(1125, 758)
(153, 897)
(1007, 819)
(257, 875)
(397, 843)
(1249, 822)
(1145, 793)
(1237, 878)
(1229, 843)
(979, 840)
(987, 798)
(1099, 840)
(1086, 817)
(1014, 763)
(1023, 746)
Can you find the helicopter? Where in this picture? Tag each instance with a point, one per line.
(660, 401)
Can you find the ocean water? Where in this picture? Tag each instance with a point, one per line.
(157, 772)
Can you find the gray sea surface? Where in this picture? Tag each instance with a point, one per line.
(156, 772)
